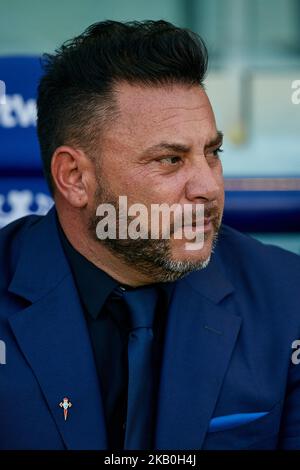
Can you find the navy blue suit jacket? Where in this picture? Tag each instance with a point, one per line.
(227, 379)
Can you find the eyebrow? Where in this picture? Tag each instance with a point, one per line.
(176, 147)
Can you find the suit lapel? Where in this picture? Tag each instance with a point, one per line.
(200, 337)
(54, 339)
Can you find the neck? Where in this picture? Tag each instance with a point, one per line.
(100, 255)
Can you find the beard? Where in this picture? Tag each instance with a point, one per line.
(151, 257)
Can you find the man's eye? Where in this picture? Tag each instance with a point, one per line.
(217, 151)
(170, 160)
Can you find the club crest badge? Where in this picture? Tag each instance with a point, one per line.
(65, 405)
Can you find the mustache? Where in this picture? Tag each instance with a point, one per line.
(212, 213)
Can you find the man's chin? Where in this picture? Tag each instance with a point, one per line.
(175, 269)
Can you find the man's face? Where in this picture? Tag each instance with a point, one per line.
(161, 148)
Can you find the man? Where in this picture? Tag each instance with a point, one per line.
(122, 112)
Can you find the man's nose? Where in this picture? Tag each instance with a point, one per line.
(203, 182)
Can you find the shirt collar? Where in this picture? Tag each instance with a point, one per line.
(94, 285)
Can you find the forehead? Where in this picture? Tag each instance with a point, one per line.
(152, 112)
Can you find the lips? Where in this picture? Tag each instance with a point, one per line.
(207, 220)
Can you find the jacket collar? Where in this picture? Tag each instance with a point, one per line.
(42, 264)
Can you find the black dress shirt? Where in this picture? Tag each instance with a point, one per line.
(108, 331)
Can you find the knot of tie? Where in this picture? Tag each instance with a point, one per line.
(141, 303)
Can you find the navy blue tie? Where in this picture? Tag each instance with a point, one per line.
(141, 303)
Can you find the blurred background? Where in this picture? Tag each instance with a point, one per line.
(253, 82)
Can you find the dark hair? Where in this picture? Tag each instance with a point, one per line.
(75, 95)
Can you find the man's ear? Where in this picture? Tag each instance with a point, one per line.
(69, 169)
